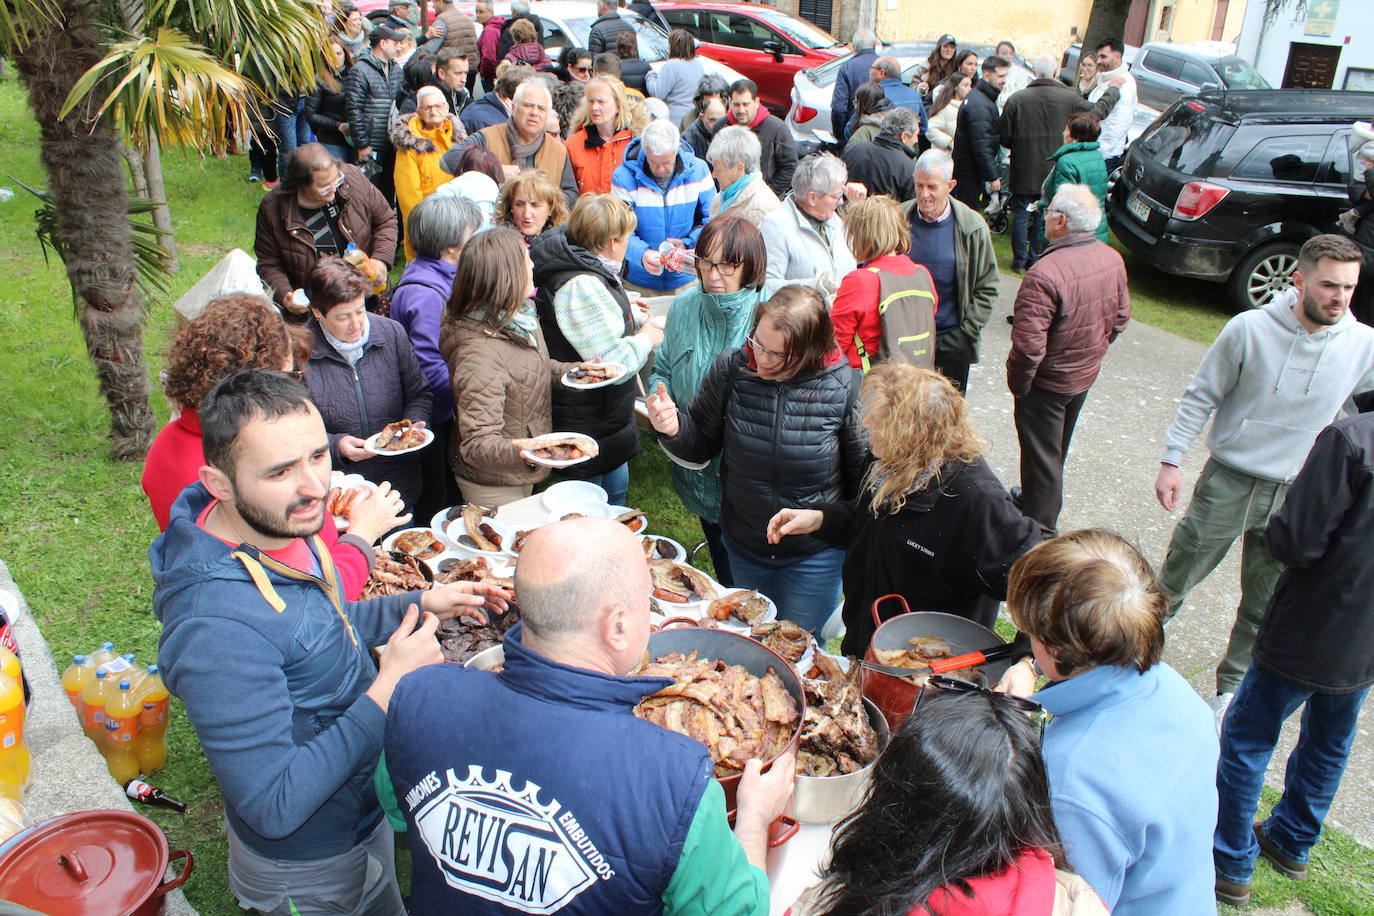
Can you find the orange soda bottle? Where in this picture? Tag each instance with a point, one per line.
(123, 709)
(93, 700)
(119, 756)
(150, 747)
(9, 664)
(75, 679)
(14, 754)
(105, 653)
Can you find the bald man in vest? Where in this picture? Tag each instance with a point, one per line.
(522, 142)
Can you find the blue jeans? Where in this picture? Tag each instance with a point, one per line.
(616, 483)
(805, 589)
(292, 130)
(342, 153)
(1310, 781)
(1026, 226)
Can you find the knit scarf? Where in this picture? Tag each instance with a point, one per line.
(522, 152)
(727, 197)
(524, 323)
(613, 266)
(350, 351)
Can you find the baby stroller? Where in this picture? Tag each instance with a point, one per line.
(998, 212)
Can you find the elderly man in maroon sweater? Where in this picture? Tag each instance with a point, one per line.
(1072, 304)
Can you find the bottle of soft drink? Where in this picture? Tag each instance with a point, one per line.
(9, 664)
(74, 680)
(93, 700)
(354, 255)
(123, 709)
(134, 673)
(14, 754)
(151, 745)
(140, 791)
(119, 755)
(106, 653)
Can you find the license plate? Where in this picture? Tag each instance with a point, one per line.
(1138, 207)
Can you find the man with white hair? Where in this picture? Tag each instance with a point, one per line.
(734, 160)
(804, 236)
(523, 142)
(670, 191)
(952, 241)
(884, 164)
(1032, 128)
(852, 75)
(887, 73)
(1072, 304)
(537, 789)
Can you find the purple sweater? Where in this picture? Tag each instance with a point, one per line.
(418, 304)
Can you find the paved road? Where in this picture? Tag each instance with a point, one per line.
(1109, 481)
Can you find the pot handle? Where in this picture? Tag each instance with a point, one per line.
(877, 620)
(181, 877)
(782, 830)
(74, 868)
(674, 622)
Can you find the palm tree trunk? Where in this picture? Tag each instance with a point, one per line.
(162, 214)
(84, 162)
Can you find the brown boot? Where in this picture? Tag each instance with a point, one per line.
(1281, 863)
(1232, 893)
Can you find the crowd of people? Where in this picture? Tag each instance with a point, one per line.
(809, 385)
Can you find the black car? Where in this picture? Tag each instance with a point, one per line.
(1227, 186)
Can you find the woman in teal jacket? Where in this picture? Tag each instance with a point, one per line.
(706, 319)
(1079, 161)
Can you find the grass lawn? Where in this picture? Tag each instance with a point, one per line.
(74, 526)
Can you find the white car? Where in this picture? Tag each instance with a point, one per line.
(570, 22)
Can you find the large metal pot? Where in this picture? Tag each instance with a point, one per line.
(828, 799)
(896, 696)
(754, 657)
(489, 658)
(88, 863)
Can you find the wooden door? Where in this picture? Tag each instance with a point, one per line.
(1219, 20)
(1311, 66)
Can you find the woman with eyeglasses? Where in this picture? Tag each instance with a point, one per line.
(1131, 751)
(956, 821)
(363, 375)
(781, 411)
(932, 521)
(600, 133)
(706, 319)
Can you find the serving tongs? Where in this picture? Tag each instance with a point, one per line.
(974, 659)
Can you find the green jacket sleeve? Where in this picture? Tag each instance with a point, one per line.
(712, 877)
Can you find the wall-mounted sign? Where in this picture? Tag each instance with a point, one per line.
(1321, 18)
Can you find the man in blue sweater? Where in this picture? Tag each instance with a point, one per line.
(274, 666)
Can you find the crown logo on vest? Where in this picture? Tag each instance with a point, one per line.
(502, 844)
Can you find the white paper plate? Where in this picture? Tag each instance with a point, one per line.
(440, 522)
(739, 626)
(589, 509)
(545, 462)
(501, 566)
(572, 491)
(463, 545)
(347, 482)
(371, 444)
(621, 376)
(613, 511)
(681, 552)
(695, 609)
(389, 542)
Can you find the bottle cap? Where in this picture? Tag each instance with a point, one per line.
(101, 672)
(129, 657)
(152, 669)
(78, 659)
(107, 646)
(124, 684)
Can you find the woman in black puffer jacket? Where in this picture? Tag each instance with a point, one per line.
(782, 413)
(325, 109)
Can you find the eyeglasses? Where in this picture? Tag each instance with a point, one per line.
(947, 684)
(328, 187)
(761, 349)
(579, 69)
(726, 269)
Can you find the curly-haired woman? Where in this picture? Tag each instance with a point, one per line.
(933, 522)
(531, 203)
(244, 332)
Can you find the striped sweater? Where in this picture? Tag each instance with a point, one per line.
(678, 212)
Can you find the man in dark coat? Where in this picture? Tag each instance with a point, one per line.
(853, 74)
(607, 26)
(1315, 649)
(1032, 128)
(976, 166)
(451, 28)
(779, 158)
(370, 89)
(1071, 306)
(885, 164)
(646, 10)
(519, 9)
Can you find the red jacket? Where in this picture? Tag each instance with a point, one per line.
(856, 305)
(593, 164)
(1072, 304)
(174, 462)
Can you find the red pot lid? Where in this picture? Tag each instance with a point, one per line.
(84, 864)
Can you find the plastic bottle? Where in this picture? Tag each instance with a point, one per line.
(134, 673)
(6, 195)
(123, 709)
(119, 755)
(9, 664)
(14, 754)
(354, 255)
(154, 696)
(74, 680)
(105, 653)
(93, 700)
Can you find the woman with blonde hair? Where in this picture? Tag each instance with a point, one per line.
(600, 133)
(880, 238)
(1087, 75)
(932, 522)
(530, 203)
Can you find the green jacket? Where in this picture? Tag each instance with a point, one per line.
(700, 327)
(977, 264)
(1079, 163)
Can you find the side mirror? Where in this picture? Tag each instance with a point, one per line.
(775, 48)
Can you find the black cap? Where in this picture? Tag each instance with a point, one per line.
(945, 40)
(381, 32)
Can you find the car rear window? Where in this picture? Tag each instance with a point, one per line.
(799, 30)
(1186, 138)
(825, 74)
(1283, 159)
(1238, 74)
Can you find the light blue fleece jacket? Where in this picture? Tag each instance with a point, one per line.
(680, 212)
(1132, 763)
(1273, 387)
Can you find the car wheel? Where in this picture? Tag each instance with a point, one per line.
(1263, 274)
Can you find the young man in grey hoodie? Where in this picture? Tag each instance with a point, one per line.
(1274, 377)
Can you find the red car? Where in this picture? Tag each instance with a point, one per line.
(765, 44)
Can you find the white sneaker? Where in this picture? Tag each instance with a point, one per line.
(1219, 704)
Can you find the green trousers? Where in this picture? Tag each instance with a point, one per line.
(1226, 504)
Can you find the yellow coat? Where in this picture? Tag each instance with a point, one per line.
(417, 172)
